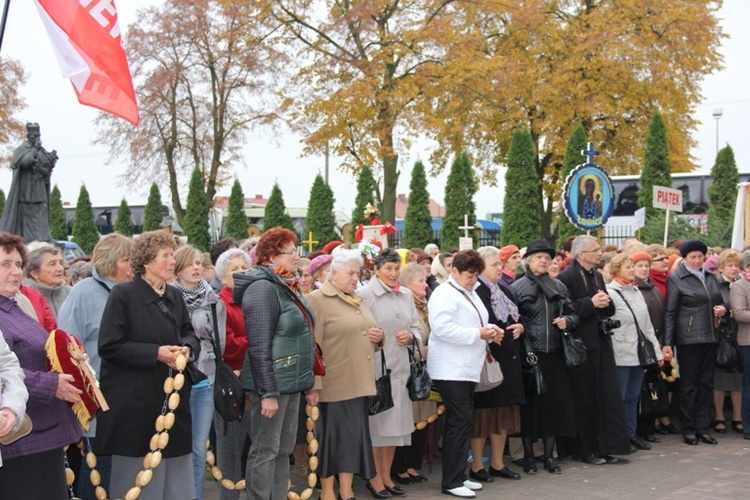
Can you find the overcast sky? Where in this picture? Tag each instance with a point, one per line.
(68, 126)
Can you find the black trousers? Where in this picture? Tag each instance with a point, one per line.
(697, 366)
(458, 397)
(410, 457)
(41, 476)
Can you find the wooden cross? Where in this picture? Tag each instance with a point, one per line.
(309, 241)
(466, 227)
(589, 153)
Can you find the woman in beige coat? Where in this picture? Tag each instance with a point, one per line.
(393, 308)
(348, 336)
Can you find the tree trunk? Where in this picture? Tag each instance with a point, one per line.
(390, 182)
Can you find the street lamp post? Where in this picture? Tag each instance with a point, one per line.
(717, 116)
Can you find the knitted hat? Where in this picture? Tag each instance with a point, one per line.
(319, 262)
(506, 252)
(693, 246)
(711, 264)
(639, 256)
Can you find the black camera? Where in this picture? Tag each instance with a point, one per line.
(606, 325)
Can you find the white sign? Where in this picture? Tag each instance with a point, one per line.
(465, 244)
(640, 218)
(667, 198)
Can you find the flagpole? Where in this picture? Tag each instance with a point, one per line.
(6, 7)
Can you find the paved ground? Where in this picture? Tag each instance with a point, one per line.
(671, 470)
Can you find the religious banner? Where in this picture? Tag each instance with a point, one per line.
(588, 195)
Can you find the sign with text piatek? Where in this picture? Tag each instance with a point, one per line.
(588, 195)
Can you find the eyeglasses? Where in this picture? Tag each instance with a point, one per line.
(291, 252)
(598, 250)
(660, 259)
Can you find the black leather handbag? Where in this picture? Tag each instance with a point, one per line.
(229, 398)
(533, 379)
(383, 400)
(574, 350)
(419, 381)
(726, 354)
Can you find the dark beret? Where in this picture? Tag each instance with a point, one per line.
(692, 246)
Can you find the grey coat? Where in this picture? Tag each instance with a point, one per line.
(625, 338)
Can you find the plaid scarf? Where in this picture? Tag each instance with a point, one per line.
(193, 298)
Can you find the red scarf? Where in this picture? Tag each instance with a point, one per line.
(622, 281)
(660, 281)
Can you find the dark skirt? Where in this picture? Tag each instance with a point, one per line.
(552, 413)
(486, 421)
(344, 436)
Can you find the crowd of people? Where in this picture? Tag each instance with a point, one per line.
(576, 333)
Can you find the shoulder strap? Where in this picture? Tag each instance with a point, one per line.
(481, 321)
(170, 317)
(102, 284)
(217, 348)
(630, 308)
(289, 293)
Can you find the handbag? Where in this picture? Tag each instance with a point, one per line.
(491, 375)
(646, 350)
(194, 375)
(654, 400)
(533, 379)
(574, 350)
(726, 354)
(419, 381)
(383, 399)
(229, 398)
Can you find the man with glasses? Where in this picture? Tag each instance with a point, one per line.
(597, 401)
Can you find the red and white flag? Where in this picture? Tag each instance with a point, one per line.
(87, 42)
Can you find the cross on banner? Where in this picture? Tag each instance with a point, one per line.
(309, 241)
(466, 227)
(589, 153)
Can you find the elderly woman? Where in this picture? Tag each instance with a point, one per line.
(728, 270)
(693, 307)
(408, 459)
(145, 325)
(496, 412)
(13, 395)
(81, 316)
(632, 313)
(230, 436)
(440, 270)
(739, 297)
(45, 273)
(509, 257)
(279, 364)
(306, 280)
(207, 313)
(545, 307)
(32, 466)
(345, 445)
(318, 269)
(458, 343)
(394, 312)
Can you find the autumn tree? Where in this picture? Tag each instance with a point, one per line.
(459, 202)
(275, 214)
(152, 212)
(722, 197)
(124, 221)
(540, 65)
(58, 224)
(12, 78)
(522, 218)
(367, 190)
(203, 70)
(418, 221)
(657, 169)
(85, 233)
(236, 218)
(195, 225)
(573, 158)
(321, 219)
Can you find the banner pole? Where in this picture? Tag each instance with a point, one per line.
(666, 229)
(4, 20)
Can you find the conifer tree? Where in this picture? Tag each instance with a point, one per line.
(573, 158)
(152, 212)
(236, 219)
(418, 221)
(195, 222)
(366, 189)
(85, 232)
(2, 201)
(657, 169)
(522, 218)
(722, 197)
(275, 213)
(321, 219)
(58, 224)
(459, 201)
(124, 222)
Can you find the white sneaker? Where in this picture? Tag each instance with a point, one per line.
(473, 485)
(460, 492)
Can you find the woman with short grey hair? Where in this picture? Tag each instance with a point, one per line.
(225, 261)
(45, 273)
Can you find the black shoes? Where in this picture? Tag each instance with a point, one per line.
(651, 439)
(529, 467)
(418, 478)
(707, 439)
(593, 460)
(661, 429)
(402, 480)
(737, 426)
(481, 475)
(552, 466)
(691, 440)
(378, 495)
(396, 491)
(609, 459)
(722, 429)
(639, 443)
(505, 473)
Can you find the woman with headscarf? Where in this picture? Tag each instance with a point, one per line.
(510, 257)
(440, 270)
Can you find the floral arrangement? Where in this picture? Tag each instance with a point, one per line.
(371, 211)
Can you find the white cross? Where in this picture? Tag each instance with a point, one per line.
(466, 227)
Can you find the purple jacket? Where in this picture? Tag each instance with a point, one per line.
(55, 425)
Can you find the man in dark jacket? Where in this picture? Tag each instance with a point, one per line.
(597, 401)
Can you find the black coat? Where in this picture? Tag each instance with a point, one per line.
(510, 392)
(132, 380)
(688, 309)
(597, 401)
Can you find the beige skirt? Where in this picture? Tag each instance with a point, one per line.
(486, 421)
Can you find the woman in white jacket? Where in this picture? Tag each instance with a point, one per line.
(624, 293)
(460, 330)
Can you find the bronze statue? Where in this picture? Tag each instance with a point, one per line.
(27, 207)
